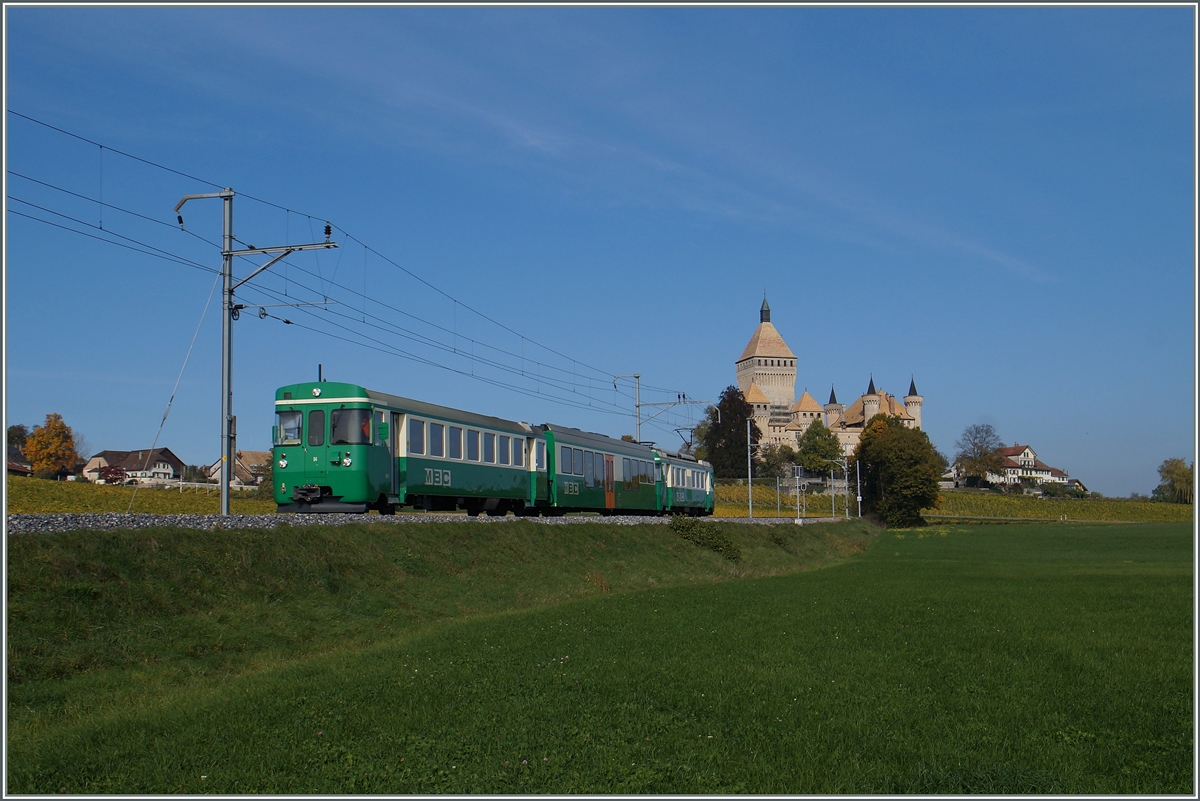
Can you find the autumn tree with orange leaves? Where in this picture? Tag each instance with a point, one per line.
(50, 448)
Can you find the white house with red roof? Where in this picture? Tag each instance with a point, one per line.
(1020, 463)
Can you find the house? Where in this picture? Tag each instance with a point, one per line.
(1020, 463)
(18, 465)
(148, 466)
(247, 467)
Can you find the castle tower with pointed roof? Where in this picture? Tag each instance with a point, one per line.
(766, 375)
(913, 401)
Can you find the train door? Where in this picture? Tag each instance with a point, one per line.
(392, 438)
(610, 496)
(315, 448)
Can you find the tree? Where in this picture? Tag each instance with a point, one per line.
(1177, 478)
(51, 446)
(900, 471)
(979, 452)
(775, 461)
(112, 474)
(265, 473)
(721, 436)
(17, 434)
(816, 446)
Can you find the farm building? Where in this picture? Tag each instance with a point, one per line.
(247, 467)
(147, 466)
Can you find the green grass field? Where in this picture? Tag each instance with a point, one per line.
(732, 501)
(36, 496)
(418, 659)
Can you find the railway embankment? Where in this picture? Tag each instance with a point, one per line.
(114, 521)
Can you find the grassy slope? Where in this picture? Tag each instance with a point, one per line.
(999, 659)
(98, 621)
(731, 501)
(36, 496)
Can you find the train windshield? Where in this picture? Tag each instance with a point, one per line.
(287, 428)
(350, 427)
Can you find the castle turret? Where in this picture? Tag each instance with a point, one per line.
(912, 402)
(834, 411)
(870, 402)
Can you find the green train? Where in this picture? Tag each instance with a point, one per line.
(340, 448)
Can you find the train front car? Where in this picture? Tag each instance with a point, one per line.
(330, 449)
(342, 448)
(688, 484)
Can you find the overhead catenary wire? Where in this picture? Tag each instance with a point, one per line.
(171, 400)
(323, 292)
(370, 342)
(311, 217)
(585, 384)
(165, 255)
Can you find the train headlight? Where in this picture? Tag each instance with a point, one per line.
(283, 463)
(346, 461)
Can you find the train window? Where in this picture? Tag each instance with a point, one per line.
(436, 439)
(589, 475)
(379, 440)
(489, 448)
(350, 427)
(577, 461)
(564, 465)
(316, 427)
(625, 474)
(541, 455)
(644, 472)
(503, 451)
(288, 426)
(454, 442)
(472, 445)
(416, 436)
(518, 452)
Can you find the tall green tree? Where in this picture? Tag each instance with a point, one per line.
(817, 445)
(1176, 485)
(51, 446)
(900, 471)
(17, 434)
(775, 461)
(978, 452)
(721, 436)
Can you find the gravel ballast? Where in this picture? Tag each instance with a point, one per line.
(110, 521)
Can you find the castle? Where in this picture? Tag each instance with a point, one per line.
(766, 375)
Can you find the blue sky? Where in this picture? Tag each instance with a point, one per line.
(998, 202)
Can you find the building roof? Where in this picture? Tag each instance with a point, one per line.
(137, 461)
(912, 387)
(888, 404)
(832, 396)
(17, 463)
(1015, 450)
(244, 463)
(766, 343)
(756, 395)
(254, 458)
(807, 403)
